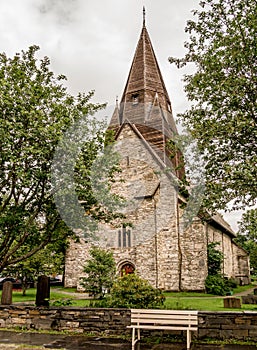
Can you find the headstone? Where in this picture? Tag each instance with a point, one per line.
(249, 299)
(43, 291)
(234, 303)
(6, 298)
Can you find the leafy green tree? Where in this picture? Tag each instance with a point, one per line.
(28, 270)
(35, 112)
(131, 291)
(222, 45)
(100, 273)
(215, 282)
(215, 259)
(247, 237)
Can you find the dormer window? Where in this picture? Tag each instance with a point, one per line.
(135, 99)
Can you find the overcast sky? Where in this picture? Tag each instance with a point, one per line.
(93, 42)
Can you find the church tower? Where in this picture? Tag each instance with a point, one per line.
(145, 102)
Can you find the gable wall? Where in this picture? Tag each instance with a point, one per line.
(168, 257)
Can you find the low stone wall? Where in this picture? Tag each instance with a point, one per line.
(218, 325)
(226, 325)
(74, 319)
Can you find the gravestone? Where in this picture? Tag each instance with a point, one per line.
(43, 291)
(249, 299)
(233, 303)
(6, 298)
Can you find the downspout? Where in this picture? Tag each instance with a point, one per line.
(156, 246)
(179, 247)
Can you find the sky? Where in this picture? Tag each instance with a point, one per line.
(93, 42)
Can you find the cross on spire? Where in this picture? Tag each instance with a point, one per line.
(143, 16)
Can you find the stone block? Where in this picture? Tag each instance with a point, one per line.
(234, 303)
(210, 333)
(242, 320)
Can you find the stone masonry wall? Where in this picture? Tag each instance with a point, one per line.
(160, 251)
(194, 257)
(73, 319)
(227, 325)
(154, 250)
(236, 259)
(217, 325)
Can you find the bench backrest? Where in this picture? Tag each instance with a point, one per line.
(177, 318)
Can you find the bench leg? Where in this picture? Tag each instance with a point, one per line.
(134, 340)
(188, 339)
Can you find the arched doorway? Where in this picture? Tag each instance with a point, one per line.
(127, 268)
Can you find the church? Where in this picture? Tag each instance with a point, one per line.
(157, 244)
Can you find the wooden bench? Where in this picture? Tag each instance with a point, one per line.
(163, 320)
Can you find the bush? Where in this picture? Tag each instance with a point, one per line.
(231, 283)
(131, 291)
(100, 271)
(216, 285)
(215, 259)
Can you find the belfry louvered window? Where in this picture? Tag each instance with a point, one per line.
(135, 99)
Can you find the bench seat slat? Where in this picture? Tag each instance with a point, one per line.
(174, 328)
(169, 312)
(161, 321)
(163, 317)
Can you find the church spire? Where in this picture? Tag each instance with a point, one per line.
(144, 83)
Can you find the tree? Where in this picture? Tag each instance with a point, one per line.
(100, 273)
(215, 259)
(131, 291)
(35, 112)
(223, 90)
(247, 237)
(215, 282)
(30, 269)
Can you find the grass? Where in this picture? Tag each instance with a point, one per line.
(55, 294)
(202, 301)
(202, 304)
(174, 300)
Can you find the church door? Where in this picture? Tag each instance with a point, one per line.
(127, 269)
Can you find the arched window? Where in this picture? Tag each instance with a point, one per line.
(127, 268)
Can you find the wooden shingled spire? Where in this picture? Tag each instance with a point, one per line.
(145, 102)
(144, 83)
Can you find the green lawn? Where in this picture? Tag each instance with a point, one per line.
(31, 295)
(174, 300)
(202, 304)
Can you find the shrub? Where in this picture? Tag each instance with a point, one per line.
(231, 283)
(100, 270)
(217, 285)
(215, 259)
(131, 291)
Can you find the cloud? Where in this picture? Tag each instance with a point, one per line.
(93, 42)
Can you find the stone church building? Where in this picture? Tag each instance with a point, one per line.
(157, 244)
